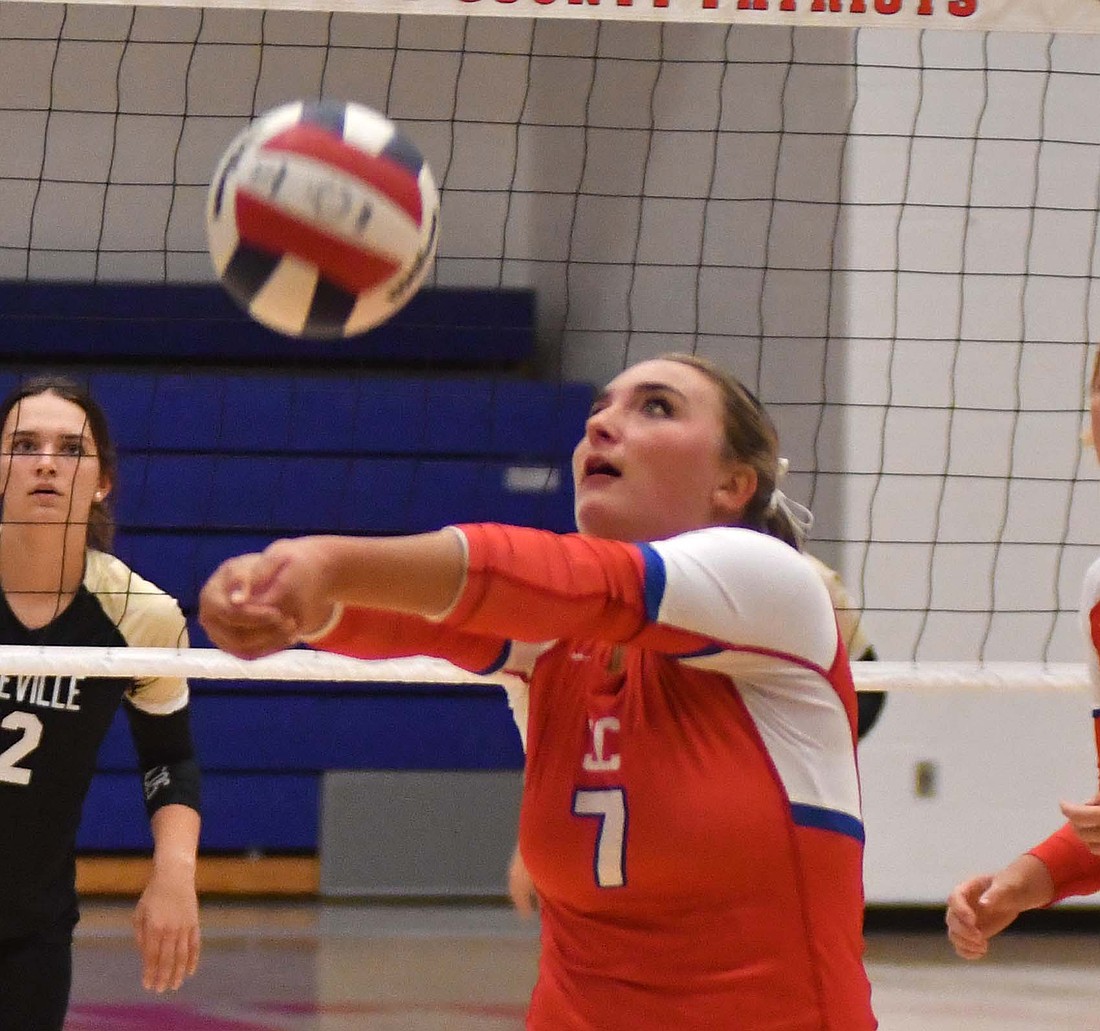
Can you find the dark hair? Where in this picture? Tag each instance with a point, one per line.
(101, 522)
(751, 437)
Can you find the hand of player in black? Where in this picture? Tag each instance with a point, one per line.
(166, 929)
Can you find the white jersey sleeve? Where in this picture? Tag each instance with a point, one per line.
(775, 637)
(744, 590)
(146, 617)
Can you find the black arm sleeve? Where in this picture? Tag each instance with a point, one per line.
(166, 758)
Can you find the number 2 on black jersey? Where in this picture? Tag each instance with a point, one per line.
(31, 726)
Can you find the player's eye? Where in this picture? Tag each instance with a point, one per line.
(73, 449)
(23, 446)
(657, 406)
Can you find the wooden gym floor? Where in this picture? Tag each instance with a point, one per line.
(299, 964)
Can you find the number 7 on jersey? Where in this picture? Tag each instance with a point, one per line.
(608, 805)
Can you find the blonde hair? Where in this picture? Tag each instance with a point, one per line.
(750, 437)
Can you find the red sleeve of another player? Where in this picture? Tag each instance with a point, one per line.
(1076, 871)
(373, 634)
(532, 585)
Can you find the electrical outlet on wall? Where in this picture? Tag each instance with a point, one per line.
(926, 776)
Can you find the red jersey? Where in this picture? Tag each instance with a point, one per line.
(1076, 871)
(691, 813)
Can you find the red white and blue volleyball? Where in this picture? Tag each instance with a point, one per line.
(322, 219)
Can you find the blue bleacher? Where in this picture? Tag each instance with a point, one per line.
(312, 727)
(166, 323)
(243, 811)
(263, 753)
(229, 437)
(235, 412)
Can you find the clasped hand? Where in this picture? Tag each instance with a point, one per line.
(257, 604)
(1086, 821)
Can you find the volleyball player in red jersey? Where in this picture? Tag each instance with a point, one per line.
(690, 810)
(1068, 862)
(869, 706)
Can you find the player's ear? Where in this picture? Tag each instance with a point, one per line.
(734, 491)
(104, 489)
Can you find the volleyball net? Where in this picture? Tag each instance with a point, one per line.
(882, 216)
(208, 663)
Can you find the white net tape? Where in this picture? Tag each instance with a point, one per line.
(211, 664)
(926, 677)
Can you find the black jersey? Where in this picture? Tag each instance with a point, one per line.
(51, 728)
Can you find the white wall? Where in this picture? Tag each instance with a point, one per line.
(990, 512)
(1001, 766)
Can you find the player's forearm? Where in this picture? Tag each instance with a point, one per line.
(421, 574)
(1030, 880)
(175, 840)
(1070, 868)
(381, 634)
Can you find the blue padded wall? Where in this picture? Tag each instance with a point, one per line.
(173, 322)
(243, 811)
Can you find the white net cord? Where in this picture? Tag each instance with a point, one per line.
(302, 664)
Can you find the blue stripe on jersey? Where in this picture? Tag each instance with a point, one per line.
(1096, 714)
(710, 649)
(827, 820)
(498, 663)
(326, 114)
(654, 587)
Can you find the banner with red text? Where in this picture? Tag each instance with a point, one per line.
(1004, 15)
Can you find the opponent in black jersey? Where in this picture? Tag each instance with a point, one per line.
(59, 586)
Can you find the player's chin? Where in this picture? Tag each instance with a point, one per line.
(601, 517)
